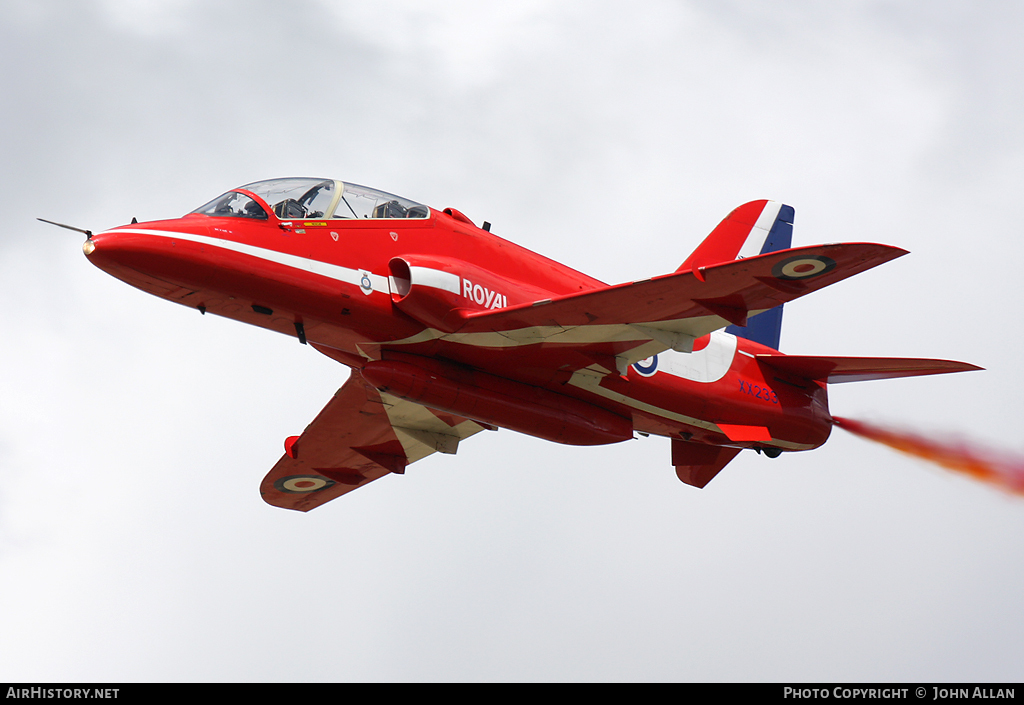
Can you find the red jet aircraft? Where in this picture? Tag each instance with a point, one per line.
(450, 330)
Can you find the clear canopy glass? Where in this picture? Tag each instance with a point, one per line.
(301, 198)
(233, 205)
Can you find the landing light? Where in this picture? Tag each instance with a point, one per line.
(88, 246)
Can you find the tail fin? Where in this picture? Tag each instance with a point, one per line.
(755, 228)
(764, 328)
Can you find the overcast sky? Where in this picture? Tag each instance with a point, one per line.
(134, 433)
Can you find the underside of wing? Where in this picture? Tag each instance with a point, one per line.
(633, 321)
(360, 436)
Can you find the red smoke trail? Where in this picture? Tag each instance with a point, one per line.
(1004, 472)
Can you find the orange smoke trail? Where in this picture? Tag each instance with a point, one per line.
(1004, 472)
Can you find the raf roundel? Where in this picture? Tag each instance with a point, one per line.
(647, 367)
(803, 267)
(300, 484)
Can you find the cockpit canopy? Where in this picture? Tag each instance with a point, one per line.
(304, 199)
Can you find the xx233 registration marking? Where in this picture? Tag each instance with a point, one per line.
(755, 390)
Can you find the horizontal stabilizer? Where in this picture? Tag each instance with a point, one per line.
(835, 370)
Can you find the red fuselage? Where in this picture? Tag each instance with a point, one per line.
(377, 294)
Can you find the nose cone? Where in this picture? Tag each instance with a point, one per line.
(135, 257)
(109, 250)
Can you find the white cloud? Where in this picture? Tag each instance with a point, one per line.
(133, 434)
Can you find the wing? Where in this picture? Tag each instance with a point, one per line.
(361, 435)
(646, 317)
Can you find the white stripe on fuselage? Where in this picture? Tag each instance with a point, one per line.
(332, 271)
(706, 365)
(710, 367)
(436, 279)
(531, 335)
